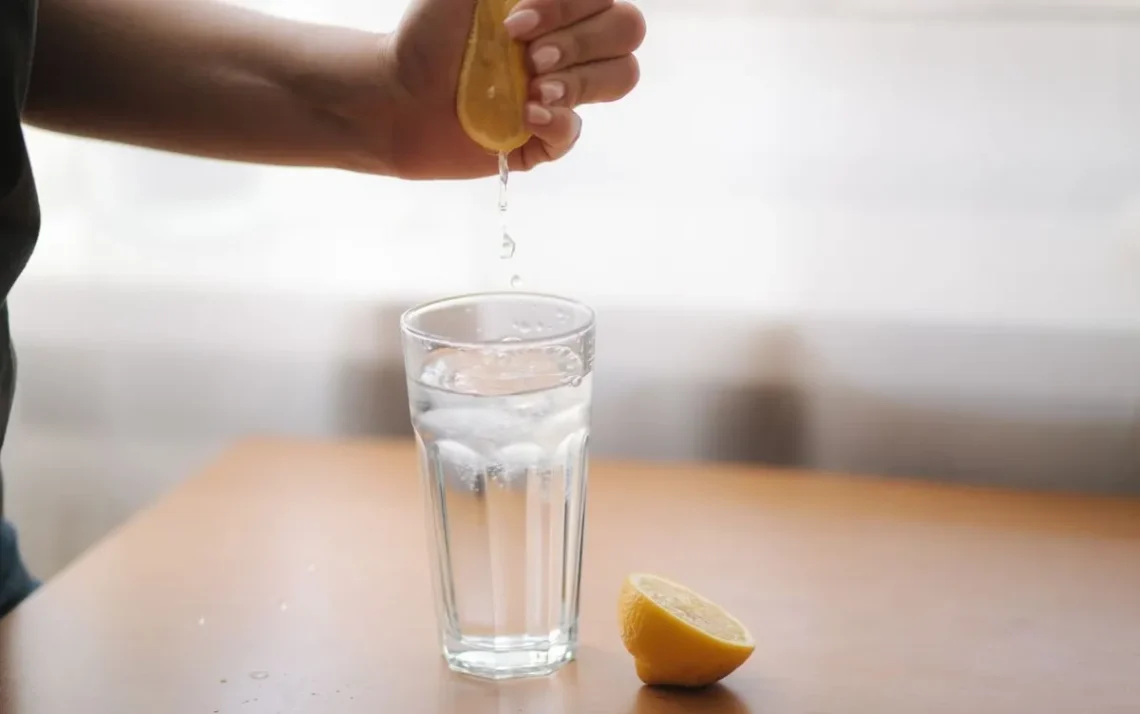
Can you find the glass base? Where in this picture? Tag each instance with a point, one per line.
(508, 658)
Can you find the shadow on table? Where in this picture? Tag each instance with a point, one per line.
(717, 698)
(600, 680)
(555, 694)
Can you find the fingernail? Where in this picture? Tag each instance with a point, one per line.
(521, 22)
(551, 91)
(545, 57)
(538, 114)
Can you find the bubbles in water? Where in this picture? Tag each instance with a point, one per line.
(516, 282)
(509, 369)
(511, 338)
(522, 327)
(576, 381)
(508, 248)
(491, 92)
(259, 675)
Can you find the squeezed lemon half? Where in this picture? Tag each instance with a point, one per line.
(677, 637)
(493, 81)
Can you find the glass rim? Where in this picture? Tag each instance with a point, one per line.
(549, 339)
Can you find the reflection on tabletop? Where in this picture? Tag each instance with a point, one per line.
(601, 672)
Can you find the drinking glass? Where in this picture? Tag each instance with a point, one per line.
(499, 387)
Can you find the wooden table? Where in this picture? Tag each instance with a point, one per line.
(292, 577)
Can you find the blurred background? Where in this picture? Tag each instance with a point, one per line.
(882, 237)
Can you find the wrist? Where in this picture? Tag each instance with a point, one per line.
(344, 79)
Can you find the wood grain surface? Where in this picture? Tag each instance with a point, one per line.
(292, 577)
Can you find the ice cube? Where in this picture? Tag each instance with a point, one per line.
(459, 455)
(460, 466)
(522, 459)
(470, 425)
(522, 455)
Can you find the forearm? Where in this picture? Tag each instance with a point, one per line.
(200, 77)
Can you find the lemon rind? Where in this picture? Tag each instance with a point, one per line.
(505, 144)
(749, 642)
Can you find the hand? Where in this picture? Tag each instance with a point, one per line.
(579, 51)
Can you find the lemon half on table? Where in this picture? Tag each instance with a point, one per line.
(677, 637)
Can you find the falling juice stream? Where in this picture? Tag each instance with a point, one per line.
(507, 249)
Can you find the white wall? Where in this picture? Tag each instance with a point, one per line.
(859, 235)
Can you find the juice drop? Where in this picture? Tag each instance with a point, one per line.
(507, 249)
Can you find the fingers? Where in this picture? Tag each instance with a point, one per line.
(581, 52)
(612, 33)
(555, 129)
(533, 18)
(605, 81)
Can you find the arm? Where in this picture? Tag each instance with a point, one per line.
(201, 77)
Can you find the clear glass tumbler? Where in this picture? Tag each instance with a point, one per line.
(500, 386)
